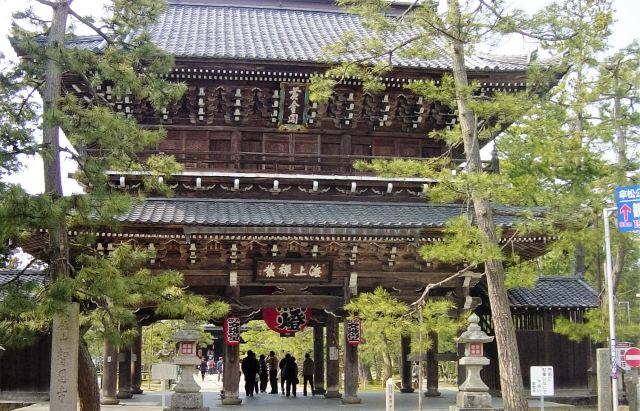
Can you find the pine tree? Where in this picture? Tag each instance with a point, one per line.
(130, 65)
(461, 26)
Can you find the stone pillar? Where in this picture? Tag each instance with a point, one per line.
(350, 370)
(109, 375)
(333, 362)
(405, 364)
(231, 374)
(432, 368)
(136, 360)
(318, 358)
(605, 396)
(64, 359)
(124, 372)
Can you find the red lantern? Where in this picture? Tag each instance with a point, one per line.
(232, 330)
(286, 320)
(354, 331)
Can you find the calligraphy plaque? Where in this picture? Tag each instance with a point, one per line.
(294, 106)
(293, 270)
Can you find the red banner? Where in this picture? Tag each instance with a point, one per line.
(232, 330)
(286, 320)
(354, 331)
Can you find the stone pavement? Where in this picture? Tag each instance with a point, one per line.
(371, 401)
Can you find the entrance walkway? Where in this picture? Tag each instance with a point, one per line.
(371, 401)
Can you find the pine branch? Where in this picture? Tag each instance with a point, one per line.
(431, 286)
(91, 26)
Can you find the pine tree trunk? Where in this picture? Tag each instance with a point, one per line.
(386, 358)
(58, 243)
(365, 371)
(88, 393)
(512, 386)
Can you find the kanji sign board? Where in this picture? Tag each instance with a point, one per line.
(628, 204)
(542, 381)
(292, 270)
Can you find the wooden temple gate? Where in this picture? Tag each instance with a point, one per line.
(269, 183)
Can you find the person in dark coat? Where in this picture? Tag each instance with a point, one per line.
(203, 367)
(250, 370)
(272, 362)
(308, 367)
(283, 362)
(264, 374)
(291, 376)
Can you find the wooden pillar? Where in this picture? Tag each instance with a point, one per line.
(109, 374)
(318, 358)
(136, 360)
(124, 370)
(231, 374)
(350, 371)
(432, 368)
(333, 362)
(405, 364)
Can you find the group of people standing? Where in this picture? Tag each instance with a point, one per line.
(257, 371)
(210, 366)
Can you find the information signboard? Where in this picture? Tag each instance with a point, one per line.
(628, 205)
(542, 381)
(164, 371)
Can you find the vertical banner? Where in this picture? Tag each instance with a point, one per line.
(232, 330)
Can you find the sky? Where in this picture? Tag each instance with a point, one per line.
(625, 29)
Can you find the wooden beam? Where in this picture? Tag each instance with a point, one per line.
(315, 301)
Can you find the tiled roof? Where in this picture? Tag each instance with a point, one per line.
(271, 213)
(555, 292)
(255, 33)
(35, 276)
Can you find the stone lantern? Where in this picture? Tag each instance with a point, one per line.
(473, 392)
(186, 394)
(164, 354)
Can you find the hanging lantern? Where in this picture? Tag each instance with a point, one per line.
(286, 320)
(354, 331)
(232, 330)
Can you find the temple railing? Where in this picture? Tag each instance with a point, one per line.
(275, 162)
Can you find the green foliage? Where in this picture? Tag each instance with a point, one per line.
(385, 320)
(462, 242)
(261, 339)
(109, 289)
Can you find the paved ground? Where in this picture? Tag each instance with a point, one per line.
(371, 401)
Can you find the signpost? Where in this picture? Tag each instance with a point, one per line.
(542, 383)
(628, 213)
(164, 371)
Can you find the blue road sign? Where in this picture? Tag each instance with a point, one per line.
(628, 203)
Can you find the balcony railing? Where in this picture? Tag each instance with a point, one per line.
(274, 162)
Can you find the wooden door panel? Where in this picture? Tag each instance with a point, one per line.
(220, 157)
(251, 162)
(409, 148)
(383, 147)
